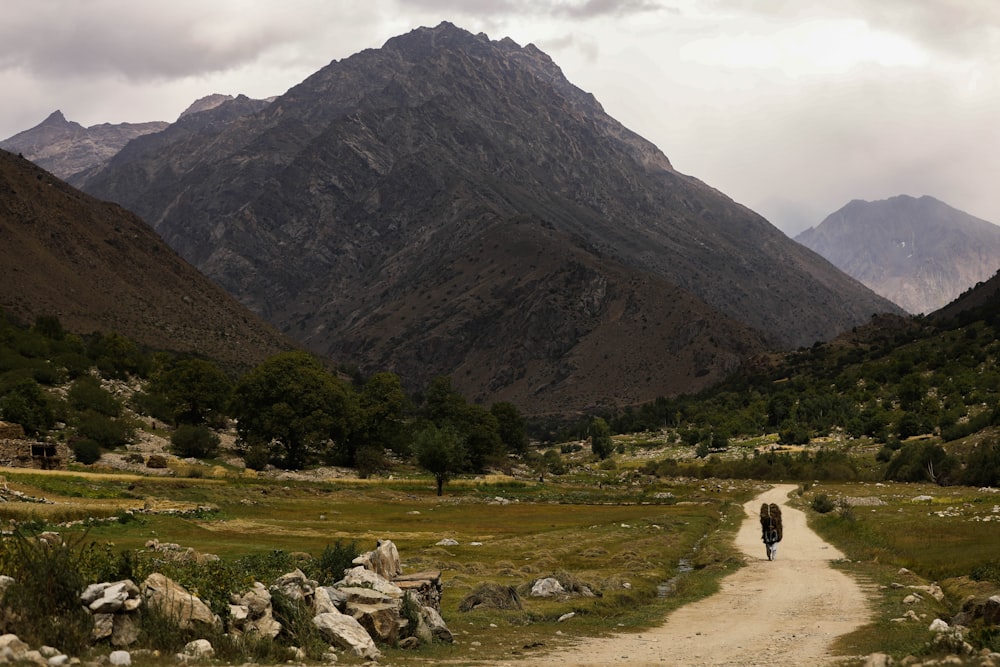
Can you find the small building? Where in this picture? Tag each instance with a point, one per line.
(16, 451)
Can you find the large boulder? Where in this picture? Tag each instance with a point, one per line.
(384, 560)
(346, 633)
(177, 603)
(381, 621)
(295, 586)
(547, 588)
(436, 624)
(364, 578)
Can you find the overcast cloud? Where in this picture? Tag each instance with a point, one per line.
(790, 107)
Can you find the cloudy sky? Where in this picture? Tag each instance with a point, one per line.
(792, 107)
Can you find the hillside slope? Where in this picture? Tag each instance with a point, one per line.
(98, 267)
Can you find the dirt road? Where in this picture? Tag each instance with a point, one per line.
(784, 612)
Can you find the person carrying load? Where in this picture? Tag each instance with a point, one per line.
(770, 525)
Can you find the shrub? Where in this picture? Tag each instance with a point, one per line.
(330, 565)
(156, 461)
(87, 395)
(199, 441)
(822, 504)
(86, 451)
(108, 433)
(257, 457)
(43, 602)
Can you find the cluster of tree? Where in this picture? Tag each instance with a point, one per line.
(290, 410)
(921, 378)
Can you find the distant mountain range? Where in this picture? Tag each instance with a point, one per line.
(919, 253)
(98, 267)
(449, 204)
(66, 148)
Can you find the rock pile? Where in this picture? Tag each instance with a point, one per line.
(372, 604)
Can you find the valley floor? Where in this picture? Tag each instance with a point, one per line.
(785, 612)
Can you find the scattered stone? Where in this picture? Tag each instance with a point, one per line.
(120, 658)
(567, 616)
(878, 660)
(447, 542)
(361, 577)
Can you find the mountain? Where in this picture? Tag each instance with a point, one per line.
(919, 253)
(449, 204)
(98, 267)
(66, 148)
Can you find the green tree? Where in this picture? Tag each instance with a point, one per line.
(510, 427)
(196, 440)
(290, 402)
(22, 401)
(196, 390)
(384, 407)
(600, 438)
(87, 395)
(439, 451)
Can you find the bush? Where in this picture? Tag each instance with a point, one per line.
(257, 457)
(86, 451)
(87, 395)
(199, 441)
(330, 566)
(43, 603)
(822, 504)
(108, 433)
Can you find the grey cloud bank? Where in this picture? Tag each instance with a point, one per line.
(790, 108)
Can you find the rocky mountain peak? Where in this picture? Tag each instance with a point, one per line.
(205, 103)
(918, 252)
(453, 205)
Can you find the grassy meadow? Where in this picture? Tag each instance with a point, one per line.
(896, 536)
(620, 538)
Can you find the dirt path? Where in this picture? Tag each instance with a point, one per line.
(784, 612)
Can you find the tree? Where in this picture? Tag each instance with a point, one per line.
(600, 438)
(23, 402)
(440, 452)
(510, 427)
(196, 440)
(290, 402)
(196, 390)
(384, 407)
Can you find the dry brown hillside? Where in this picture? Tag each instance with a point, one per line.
(98, 267)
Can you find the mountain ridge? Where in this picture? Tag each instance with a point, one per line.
(355, 197)
(916, 251)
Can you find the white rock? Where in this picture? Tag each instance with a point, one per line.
(199, 648)
(547, 587)
(343, 631)
(937, 625)
(120, 658)
(447, 542)
(567, 616)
